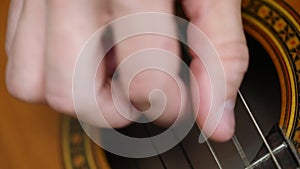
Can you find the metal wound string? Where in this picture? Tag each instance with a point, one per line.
(241, 152)
(212, 151)
(259, 131)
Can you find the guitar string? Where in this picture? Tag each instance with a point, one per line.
(259, 131)
(186, 156)
(235, 141)
(239, 147)
(212, 151)
(159, 155)
(241, 152)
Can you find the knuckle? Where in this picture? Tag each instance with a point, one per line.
(236, 65)
(236, 57)
(147, 81)
(60, 102)
(144, 83)
(28, 91)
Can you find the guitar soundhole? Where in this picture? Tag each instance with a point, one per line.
(260, 88)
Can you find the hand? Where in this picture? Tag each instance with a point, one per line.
(45, 37)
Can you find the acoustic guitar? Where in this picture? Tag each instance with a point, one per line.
(36, 137)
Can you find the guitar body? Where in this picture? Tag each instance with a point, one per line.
(33, 136)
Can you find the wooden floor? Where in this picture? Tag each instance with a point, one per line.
(29, 133)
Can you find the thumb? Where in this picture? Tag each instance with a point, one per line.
(221, 22)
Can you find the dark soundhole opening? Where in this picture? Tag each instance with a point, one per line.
(260, 88)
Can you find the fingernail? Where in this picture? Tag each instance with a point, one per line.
(225, 128)
(228, 119)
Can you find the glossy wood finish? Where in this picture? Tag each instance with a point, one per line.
(29, 133)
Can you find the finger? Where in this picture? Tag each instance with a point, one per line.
(15, 9)
(25, 48)
(132, 56)
(90, 88)
(221, 22)
(69, 25)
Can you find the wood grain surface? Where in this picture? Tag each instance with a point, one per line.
(30, 133)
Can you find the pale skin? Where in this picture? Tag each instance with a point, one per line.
(45, 37)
